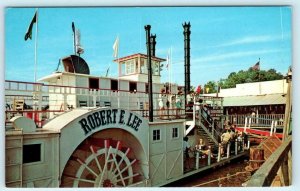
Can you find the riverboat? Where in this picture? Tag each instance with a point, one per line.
(73, 129)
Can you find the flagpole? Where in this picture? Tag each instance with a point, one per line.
(36, 43)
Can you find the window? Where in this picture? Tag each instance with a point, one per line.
(130, 67)
(143, 64)
(155, 68)
(132, 86)
(156, 135)
(31, 153)
(114, 84)
(94, 83)
(175, 132)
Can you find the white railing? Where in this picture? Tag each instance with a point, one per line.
(260, 120)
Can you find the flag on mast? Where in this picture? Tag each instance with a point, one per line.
(168, 60)
(116, 47)
(256, 66)
(29, 30)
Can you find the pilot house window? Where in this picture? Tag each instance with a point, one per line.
(130, 67)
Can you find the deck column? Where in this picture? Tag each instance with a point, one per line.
(197, 159)
(228, 149)
(219, 152)
(208, 156)
(236, 147)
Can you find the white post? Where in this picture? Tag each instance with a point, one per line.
(243, 144)
(197, 160)
(272, 126)
(228, 149)
(248, 145)
(250, 121)
(245, 124)
(275, 127)
(219, 153)
(236, 147)
(194, 113)
(208, 156)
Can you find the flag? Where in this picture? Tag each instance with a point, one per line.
(29, 30)
(198, 90)
(168, 61)
(256, 66)
(73, 27)
(116, 47)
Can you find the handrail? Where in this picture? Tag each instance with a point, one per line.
(265, 175)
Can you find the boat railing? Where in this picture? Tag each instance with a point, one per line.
(278, 163)
(59, 98)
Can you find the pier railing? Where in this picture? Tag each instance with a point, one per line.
(260, 120)
(280, 160)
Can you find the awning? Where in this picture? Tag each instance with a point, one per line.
(268, 99)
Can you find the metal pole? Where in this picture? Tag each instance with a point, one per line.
(147, 28)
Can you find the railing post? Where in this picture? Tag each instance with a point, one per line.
(272, 126)
(197, 159)
(219, 152)
(248, 145)
(245, 124)
(228, 149)
(208, 156)
(243, 144)
(236, 147)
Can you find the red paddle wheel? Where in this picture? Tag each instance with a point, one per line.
(101, 162)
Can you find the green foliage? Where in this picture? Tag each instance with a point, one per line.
(242, 76)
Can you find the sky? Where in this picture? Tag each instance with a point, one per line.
(223, 39)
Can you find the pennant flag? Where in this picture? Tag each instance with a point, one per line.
(73, 27)
(256, 66)
(198, 90)
(207, 90)
(116, 47)
(29, 30)
(107, 71)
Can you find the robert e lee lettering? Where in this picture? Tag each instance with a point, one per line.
(106, 117)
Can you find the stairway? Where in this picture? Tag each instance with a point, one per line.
(207, 138)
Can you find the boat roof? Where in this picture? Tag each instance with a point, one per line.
(267, 99)
(58, 74)
(122, 59)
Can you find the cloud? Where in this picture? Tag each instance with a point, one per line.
(250, 40)
(230, 55)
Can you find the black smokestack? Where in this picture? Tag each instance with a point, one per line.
(153, 44)
(187, 65)
(147, 28)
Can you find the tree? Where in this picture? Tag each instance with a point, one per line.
(246, 76)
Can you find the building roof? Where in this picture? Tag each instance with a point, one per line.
(138, 55)
(267, 99)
